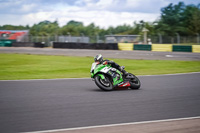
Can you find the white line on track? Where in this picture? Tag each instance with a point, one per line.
(113, 125)
(90, 78)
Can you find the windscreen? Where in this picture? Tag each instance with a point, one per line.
(93, 66)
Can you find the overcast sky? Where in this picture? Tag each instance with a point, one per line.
(103, 13)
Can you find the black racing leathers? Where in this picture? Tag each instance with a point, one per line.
(113, 64)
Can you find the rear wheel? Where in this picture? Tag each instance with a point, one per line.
(135, 83)
(104, 84)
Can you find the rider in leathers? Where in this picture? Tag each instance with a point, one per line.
(99, 58)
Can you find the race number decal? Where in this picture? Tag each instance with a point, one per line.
(105, 69)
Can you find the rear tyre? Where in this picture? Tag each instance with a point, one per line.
(135, 83)
(103, 84)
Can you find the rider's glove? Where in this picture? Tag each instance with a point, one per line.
(105, 62)
(110, 62)
(121, 68)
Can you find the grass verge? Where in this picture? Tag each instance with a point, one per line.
(25, 66)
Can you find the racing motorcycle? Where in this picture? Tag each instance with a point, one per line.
(108, 78)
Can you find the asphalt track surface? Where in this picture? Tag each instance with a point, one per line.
(37, 105)
(141, 55)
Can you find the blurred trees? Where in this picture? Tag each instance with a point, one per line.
(175, 19)
(45, 28)
(181, 19)
(172, 20)
(192, 19)
(12, 27)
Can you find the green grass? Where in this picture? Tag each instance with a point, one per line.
(24, 66)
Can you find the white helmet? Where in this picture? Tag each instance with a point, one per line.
(98, 58)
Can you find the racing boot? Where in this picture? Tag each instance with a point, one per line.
(125, 73)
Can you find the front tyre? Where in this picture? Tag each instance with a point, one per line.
(135, 83)
(103, 84)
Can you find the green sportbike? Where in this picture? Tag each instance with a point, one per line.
(108, 78)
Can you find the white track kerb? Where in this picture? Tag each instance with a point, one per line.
(114, 125)
(90, 78)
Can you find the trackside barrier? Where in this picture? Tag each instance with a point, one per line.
(125, 46)
(144, 47)
(72, 45)
(180, 48)
(23, 44)
(39, 44)
(6, 43)
(162, 47)
(196, 48)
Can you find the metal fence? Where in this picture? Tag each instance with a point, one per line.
(47, 40)
(121, 38)
(181, 40)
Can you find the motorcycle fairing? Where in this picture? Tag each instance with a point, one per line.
(126, 84)
(114, 73)
(116, 76)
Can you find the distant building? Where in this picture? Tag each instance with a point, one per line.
(17, 35)
(122, 38)
(74, 39)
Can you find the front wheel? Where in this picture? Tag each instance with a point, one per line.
(104, 84)
(135, 83)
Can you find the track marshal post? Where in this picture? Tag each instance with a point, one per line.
(145, 35)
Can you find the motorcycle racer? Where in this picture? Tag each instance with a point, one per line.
(99, 59)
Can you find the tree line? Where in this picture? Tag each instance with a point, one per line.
(174, 19)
